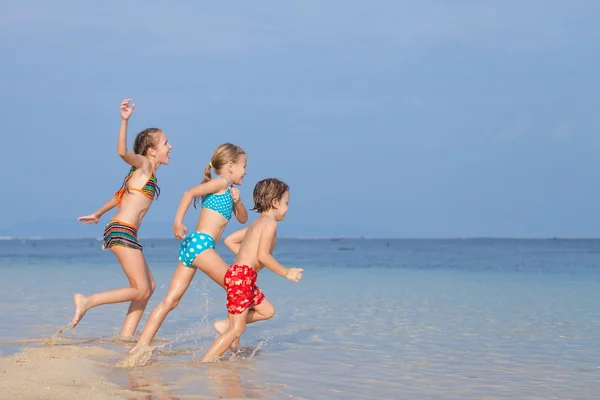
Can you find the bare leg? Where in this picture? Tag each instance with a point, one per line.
(179, 284)
(208, 262)
(133, 264)
(266, 312)
(211, 263)
(137, 308)
(237, 324)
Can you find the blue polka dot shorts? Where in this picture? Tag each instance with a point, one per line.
(194, 244)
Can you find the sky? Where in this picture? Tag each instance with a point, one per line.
(387, 119)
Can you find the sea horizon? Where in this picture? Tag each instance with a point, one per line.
(433, 238)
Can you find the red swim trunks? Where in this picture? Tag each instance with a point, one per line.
(242, 292)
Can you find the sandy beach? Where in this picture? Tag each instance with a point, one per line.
(59, 372)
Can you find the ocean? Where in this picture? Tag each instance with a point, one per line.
(371, 319)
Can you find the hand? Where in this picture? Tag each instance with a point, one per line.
(89, 219)
(179, 230)
(126, 109)
(235, 194)
(294, 274)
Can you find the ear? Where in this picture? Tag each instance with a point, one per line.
(276, 203)
(230, 166)
(151, 151)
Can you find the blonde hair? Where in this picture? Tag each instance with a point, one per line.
(222, 155)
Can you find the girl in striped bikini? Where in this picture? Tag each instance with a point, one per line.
(150, 150)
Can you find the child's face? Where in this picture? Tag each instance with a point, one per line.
(238, 170)
(281, 206)
(162, 149)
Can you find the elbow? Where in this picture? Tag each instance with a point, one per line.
(263, 257)
(228, 242)
(242, 219)
(121, 152)
(187, 196)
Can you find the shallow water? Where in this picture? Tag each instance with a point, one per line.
(435, 319)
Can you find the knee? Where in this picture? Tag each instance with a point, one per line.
(145, 292)
(170, 302)
(269, 312)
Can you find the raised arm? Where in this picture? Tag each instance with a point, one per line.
(240, 212)
(94, 218)
(234, 241)
(212, 186)
(135, 160)
(265, 247)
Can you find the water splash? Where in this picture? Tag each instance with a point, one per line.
(51, 341)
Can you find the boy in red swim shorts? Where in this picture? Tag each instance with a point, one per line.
(253, 247)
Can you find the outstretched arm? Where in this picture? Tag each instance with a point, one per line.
(135, 160)
(94, 218)
(265, 247)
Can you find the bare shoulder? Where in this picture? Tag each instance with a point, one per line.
(145, 168)
(263, 222)
(220, 182)
(144, 171)
(215, 185)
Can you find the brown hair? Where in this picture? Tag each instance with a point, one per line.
(266, 191)
(145, 140)
(222, 155)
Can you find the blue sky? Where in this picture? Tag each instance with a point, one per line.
(392, 119)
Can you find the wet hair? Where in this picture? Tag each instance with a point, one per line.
(222, 155)
(266, 191)
(146, 139)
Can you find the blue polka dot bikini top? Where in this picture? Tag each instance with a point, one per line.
(221, 203)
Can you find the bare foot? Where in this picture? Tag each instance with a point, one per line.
(80, 308)
(221, 326)
(138, 356)
(134, 348)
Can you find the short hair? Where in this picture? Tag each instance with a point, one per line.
(266, 191)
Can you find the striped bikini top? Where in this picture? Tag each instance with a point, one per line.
(150, 189)
(221, 203)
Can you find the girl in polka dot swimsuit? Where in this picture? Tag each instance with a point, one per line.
(219, 200)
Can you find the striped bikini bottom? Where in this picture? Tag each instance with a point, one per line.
(119, 233)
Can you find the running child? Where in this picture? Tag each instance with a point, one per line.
(150, 149)
(253, 247)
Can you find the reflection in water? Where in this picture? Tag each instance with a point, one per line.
(232, 379)
(152, 384)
